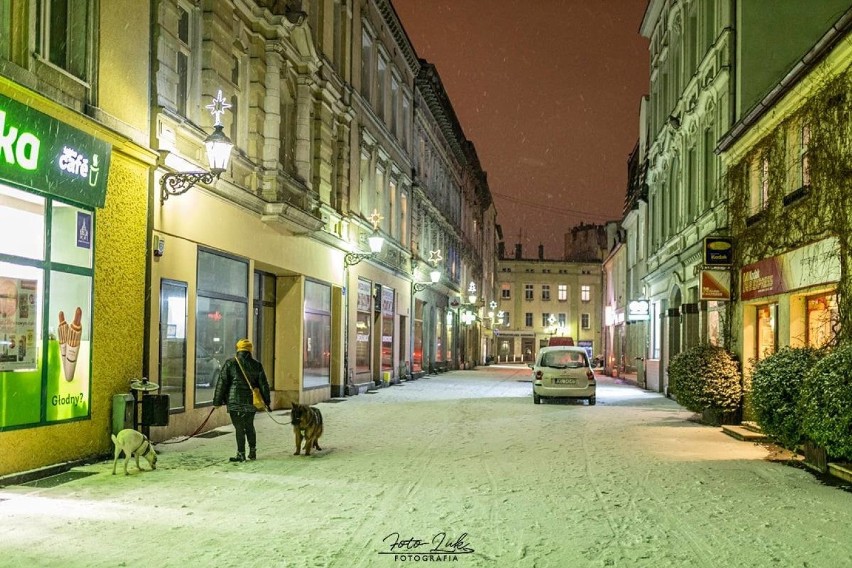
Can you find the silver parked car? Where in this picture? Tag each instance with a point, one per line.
(563, 372)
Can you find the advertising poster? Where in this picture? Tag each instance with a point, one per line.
(715, 285)
(17, 323)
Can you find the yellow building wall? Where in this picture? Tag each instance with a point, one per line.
(117, 332)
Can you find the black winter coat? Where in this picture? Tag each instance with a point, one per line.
(232, 389)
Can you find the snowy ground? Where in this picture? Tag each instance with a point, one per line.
(629, 482)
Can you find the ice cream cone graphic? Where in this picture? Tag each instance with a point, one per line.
(69, 361)
(63, 332)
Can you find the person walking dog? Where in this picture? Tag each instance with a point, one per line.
(239, 376)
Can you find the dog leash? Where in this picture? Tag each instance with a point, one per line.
(273, 418)
(197, 430)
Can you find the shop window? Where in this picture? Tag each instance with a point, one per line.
(173, 346)
(363, 328)
(221, 318)
(417, 354)
(317, 346)
(388, 311)
(44, 374)
(767, 331)
(823, 319)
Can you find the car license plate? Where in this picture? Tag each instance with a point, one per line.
(565, 381)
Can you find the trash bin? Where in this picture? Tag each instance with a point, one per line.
(123, 407)
(155, 410)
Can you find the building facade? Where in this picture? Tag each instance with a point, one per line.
(789, 201)
(74, 178)
(689, 108)
(172, 262)
(540, 299)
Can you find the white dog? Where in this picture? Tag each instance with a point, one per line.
(135, 443)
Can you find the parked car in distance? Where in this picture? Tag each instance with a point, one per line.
(206, 368)
(563, 372)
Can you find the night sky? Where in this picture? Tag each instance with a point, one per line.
(548, 91)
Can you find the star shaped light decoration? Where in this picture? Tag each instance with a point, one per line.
(435, 257)
(218, 107)
(375, 218)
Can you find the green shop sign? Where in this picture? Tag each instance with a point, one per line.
(42, 153)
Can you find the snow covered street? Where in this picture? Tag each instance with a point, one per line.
(462, 462)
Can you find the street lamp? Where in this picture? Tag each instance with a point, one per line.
(219, 148)
(471, 293)
(375, 240)
(434, 274)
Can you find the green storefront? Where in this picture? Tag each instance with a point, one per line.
(53, 180)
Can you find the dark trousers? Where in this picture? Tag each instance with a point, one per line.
(244, 428)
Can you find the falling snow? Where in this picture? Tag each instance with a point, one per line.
(631, 482)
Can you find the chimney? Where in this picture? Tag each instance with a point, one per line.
(518, 248)
(541, 252)
(501, 250)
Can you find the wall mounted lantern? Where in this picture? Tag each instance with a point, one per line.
(376, 242)
(219, 149)
(434, 274)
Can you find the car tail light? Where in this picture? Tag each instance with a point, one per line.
(590, 375)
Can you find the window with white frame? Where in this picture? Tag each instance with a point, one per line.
(528, 319)
(545, 292)
(64, 34)
(545, 319)
(804, 156)
(758, 185)
(366, 63)
(379, 199)
(562, 319)
(562, 292)
(585, 293)
(406, 120)
(185, 33)
(394, 102)
(403, 219)
(505, 318)
(391, 210)
(585, 321)
(529, 292)
(506, 291)
(381, 81)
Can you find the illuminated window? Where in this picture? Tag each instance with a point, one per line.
(823, 319)
(586, 293)
(562, 292)
(767, 331)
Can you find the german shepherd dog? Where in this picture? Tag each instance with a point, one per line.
(307, 424)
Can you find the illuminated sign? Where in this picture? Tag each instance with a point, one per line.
(715, 285)
(42, 153)
(639, 310)
(718, 251)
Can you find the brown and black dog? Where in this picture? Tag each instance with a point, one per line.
(307, 424)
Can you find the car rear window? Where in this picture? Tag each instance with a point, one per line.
(564, 359)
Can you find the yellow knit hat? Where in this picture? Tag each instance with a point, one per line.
(244, 345)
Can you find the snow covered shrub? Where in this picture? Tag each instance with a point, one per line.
(826, 400)
(706, 377)
(775, 391)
